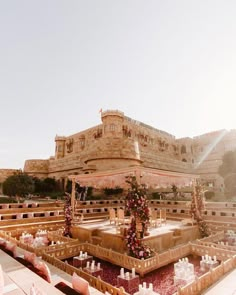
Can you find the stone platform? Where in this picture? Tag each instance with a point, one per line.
(110, 236)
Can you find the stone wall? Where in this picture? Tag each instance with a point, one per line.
(120, 141)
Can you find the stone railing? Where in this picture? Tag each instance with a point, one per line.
(142, 266)
(213, 241)
(213, 238)
(220, 217)
(221, 254)
(55, 254)
(209, 278)
(93, 281)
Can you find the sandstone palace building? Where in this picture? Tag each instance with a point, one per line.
(120, 142)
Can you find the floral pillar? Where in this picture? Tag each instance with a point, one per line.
(73, 197)
(137, 206)
(197, 205)
(68, 215)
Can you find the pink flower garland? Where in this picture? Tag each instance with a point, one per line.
(68, 215)
(136, 205)
(197, 205)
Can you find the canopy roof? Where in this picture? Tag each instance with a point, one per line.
(151, 177)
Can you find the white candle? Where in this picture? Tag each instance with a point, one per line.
(151, 287)
(144, 285)
(127, 275)
(87, 264)
(122, 273)
(99, 265)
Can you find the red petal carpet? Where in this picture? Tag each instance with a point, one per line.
(162, 278)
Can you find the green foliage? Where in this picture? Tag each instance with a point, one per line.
(56, 195)
(95, 197)
(156, 195)
(230, 184)
(228, 165)
(174, 188)
(209, 195)
(6, 200)
(19, 184)
(113, 191)
(228, 171)
(89, 191)
(46, 186)
(68, 190)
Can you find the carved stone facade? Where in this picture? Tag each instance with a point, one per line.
(120, 141)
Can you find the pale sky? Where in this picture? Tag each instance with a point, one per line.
(169, 64)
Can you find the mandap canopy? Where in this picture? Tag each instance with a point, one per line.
(152, 178)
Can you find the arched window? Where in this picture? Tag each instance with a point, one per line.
(183, 149)
(112, 127)
(82, 141)
(184, 160)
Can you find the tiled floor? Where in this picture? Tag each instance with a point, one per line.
(18, 279)
(162, 278)
(111, 228)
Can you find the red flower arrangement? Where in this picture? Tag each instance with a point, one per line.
(136, 200)
(68, 215)
(134, 245)
(197, 205)
(136, 205)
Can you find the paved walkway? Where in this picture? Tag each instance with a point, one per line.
(226, 286)
(18, 279)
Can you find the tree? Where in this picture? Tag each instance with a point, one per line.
(230, 184)
(228, 171)
(38, 185)
(228, 165)
(19, 184)
(50, 185)
(46, 186)
(174, 190)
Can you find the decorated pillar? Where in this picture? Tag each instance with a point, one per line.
(197, 206)
(73, 197)
(137, 206)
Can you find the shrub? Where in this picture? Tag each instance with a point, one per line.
(156, 195)
(113, 191)
(209, 195)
